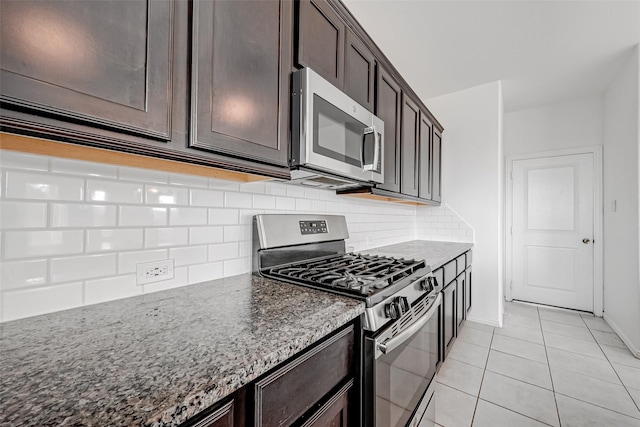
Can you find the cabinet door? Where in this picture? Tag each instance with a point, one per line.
(222, 417)
(409, 146)
(240, 78)
(449, 304)
(460, 302)
(436, 162)
(335, 412)
(359, 71)
(102, 63)
(389, 109)
(467, 291)
(425, 148)
(321, 35)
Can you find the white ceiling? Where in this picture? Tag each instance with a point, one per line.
(543, 51)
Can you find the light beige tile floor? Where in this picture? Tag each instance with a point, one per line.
(545, 367)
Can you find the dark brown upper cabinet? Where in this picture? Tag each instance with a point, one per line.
(359, 71)
(409, 146)
(241, 59)
(321, 40)
(107, 64)
(436, 167)
(425, 148)
(389, 109)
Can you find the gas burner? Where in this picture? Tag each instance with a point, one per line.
(352, 281)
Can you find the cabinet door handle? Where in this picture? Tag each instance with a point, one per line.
(586, 241)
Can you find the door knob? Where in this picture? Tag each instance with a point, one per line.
(585, 241)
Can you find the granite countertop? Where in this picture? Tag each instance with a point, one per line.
(157, 359)
(434, 253)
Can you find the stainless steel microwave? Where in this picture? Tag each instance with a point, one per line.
(336, 142)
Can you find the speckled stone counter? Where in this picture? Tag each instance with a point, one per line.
(157, 359)
(433, 252)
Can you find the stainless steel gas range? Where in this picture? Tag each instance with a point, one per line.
(401, 324)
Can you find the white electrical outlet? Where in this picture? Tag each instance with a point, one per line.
(154, 271)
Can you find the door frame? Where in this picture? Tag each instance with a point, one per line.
(598, 206)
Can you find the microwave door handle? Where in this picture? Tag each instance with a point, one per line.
(391, 344)
(376, 149)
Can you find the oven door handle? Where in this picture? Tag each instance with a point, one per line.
(392, 343)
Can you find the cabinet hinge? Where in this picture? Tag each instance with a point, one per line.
(511, 175)
(510, 230)
(511, 285)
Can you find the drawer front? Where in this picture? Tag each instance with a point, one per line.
(286, 394)
(469, 256)
(450, 272)
(462, 264)
(335, 412)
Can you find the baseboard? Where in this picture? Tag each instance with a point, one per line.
(635, 351)
(493, 323)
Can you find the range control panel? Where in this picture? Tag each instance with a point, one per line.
(313, 227)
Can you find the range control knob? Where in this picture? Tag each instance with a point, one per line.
(426, 284)
(396, 308)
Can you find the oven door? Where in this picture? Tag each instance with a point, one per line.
(400, 369)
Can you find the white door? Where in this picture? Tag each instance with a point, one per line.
(553, 205)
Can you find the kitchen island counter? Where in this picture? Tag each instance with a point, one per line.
(158, 359)
(434, 253)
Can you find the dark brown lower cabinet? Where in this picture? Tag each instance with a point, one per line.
(449, 305)
(222, 417)
(461, 304)
(467, 290)
(336, 411)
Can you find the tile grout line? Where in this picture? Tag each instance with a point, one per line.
(553, 389)
(484, 371)
(612, 367)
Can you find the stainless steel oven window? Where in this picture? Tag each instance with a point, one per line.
(401, 376)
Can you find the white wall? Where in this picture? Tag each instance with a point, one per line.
(572, 124)
(71, 232)
(472, 182)
(621, 228)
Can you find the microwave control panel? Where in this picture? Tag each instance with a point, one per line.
(313, 227)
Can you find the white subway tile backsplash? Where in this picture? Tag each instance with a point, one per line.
(111, 288)
(161, 195)
(22, 215)
(237, 266)
(43, 186)
(18, 304)
(204, 235)
(143, 175)
(114, 240)
(21, 274)
(304, 205)
(236, 233)
(118, 217)
(30, 244)
(211, 198)
(127, 261)
(223, 251)
(141, 216)
(257, 187)
(295, 191)
(189, 255)
(275, 189)
(264, 202)
(82, 215)
(82, 267)
(188, 216)
(237, 200)
(171, 236)
(188, 180)
(77, 167)
(203, 272)
(285, 203)
(114, 191)
(223, 216)
(18, 160)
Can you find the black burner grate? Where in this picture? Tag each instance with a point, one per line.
(356, 274)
